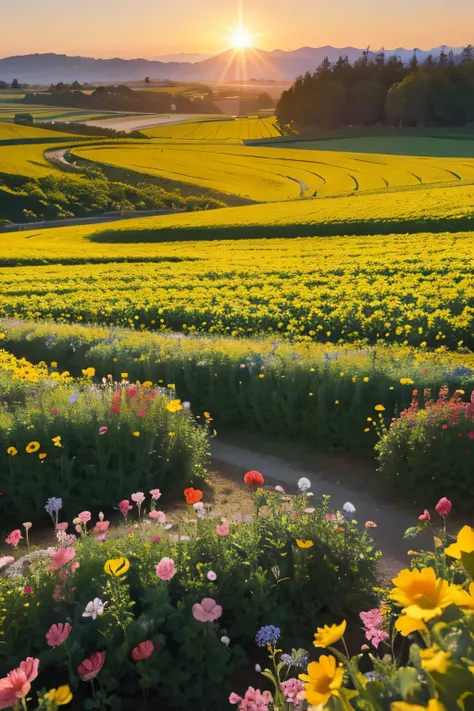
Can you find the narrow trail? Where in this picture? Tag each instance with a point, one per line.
(325, 476)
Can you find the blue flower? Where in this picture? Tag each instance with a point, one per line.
(74, 398)
(267, 635)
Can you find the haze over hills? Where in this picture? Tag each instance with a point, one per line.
(227, 66)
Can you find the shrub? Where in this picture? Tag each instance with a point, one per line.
(431, 446)
(286, 565)
(92, 443)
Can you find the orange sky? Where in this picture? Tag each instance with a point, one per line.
(148, 28)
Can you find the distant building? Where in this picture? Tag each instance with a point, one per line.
(23, 118)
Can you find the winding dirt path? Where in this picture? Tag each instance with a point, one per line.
(327, 475)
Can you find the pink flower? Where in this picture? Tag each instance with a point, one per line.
(166, 569)
(14, 538)
(102, 526)
(280, 489)
(443, 507)
(74, 567)
(58, 634)
(103, 430)
(89, 668)
(207, 611)
(125, 507)
(101, 516)
(143, 651)
(131, 392)
(54, 410)
(30, 668)
(85, 516)
(290, 690)
(444, 427)
(211, 576)
(373, 621)
(470, 434)
(6, 560)
(255, 700)
(330, 517)
(58, 593)
(158, 516)
(425, 516)
(141, 413)
(155, 539)
(138, 498)
(62, 526)
(234, 698)
(155, 494)
(60, 557)
(14, 686)
(27, 590)
(223, 529)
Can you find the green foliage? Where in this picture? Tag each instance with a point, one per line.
(87, 464)
(261, 576)
(59, 195)
(431, 446)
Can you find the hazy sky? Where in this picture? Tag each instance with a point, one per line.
(146, 28)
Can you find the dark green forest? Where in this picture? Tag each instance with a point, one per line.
(379, 90)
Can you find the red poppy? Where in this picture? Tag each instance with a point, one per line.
(254, 478)
(192, 495)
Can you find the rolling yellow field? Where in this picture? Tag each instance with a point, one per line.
(272, 173)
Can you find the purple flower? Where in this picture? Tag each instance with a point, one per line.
(73, 398)
(267, 635)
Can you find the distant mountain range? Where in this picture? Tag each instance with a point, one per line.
(227, 66)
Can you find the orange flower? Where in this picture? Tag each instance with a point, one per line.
(192, 495)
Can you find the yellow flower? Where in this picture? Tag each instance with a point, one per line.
(174, 406)
(12, 451)
(60, 696)
(421, 594)
(32, 447)
(42, 455)
(464, 543)
(434, 659)
(57, 441)
(406, 625)
(54, 364)
(117, 567)
(325, 636)
(304, 544)
(136, 434)
(147, 384)
(433, 705)
(2, 335)
(88, 372)
(207, 415)
(171, 434)
(379, 408)
(261, 376)
(323, 680)
(407, 381)
(124, 375)
(170, 386)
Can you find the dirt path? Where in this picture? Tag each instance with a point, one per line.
(326, 475)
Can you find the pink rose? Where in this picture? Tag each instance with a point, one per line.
(58, 634)
(62, 526)
(14, 538)
(155, 494)
(103, 430)
(159, 516)
(138, 497)
(223, 529)
(101, 526)
(207, 611)
(166, 569)
(125, 507)
(443, 507)
(30, 667)
(89, 668)
(143, 651)
(425, 516)
(60, 557)
(85, 516)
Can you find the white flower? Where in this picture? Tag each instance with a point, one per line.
(304, 484)
(258, 668)
(94, 608)
(225, 640)
(348, 507)
(199, 506)
(186, 405)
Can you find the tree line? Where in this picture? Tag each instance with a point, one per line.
(375, 89)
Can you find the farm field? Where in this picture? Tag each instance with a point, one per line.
(267, 174)
(393, 288)
(219, 128)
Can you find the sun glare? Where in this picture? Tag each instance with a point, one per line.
(241, 38)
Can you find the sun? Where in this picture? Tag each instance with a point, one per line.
(241, 38)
